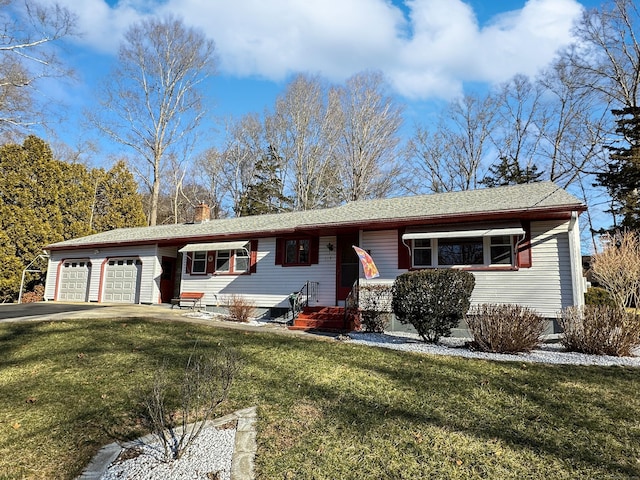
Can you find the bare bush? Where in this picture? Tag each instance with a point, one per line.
(504, 328)
(617, 267)
(205, 384)
(240, 309)
(600, 330)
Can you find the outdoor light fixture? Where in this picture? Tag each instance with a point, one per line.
(330, 247)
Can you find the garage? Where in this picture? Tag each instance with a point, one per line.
(122, 277)
(74, 281)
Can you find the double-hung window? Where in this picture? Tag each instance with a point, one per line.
(199, 263)
(232, 261)
(422, 253)
(297, 252)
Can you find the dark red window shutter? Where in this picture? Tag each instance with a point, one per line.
(253, 256)
(314, 250)
(523, 254)
(189, 262)
(404, 255)
(211, 262)
(279, 251)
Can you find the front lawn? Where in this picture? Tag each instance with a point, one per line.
(326, 410)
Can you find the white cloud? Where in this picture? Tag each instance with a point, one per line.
(428, 52)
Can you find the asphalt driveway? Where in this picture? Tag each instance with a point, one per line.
(12, 312)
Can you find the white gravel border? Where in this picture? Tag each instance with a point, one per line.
(548, 352)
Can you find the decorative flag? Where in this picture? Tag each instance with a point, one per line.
(370, 269)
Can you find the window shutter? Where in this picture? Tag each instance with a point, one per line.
(253, 256)
(279, 251)
(314, 250)
(188, 263)
(523, 254)
(404, 256)
(211, 265)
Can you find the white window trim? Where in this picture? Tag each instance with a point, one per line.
(194, 271)
(486, 251)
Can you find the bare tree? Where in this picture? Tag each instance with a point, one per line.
(609, 52)
(575, 130)
(453, 155)
(245, 144)
(521, 118)
(304, 130)
(152, 102)
(27, 31)
(367, 150)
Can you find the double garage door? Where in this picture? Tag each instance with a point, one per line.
(122, 277)
(121, 281)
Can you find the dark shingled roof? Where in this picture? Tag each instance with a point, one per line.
(530, 197)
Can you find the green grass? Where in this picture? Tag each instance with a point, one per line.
(326, 410)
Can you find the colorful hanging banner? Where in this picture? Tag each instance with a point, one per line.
(370, 269)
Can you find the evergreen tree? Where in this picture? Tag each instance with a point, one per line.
(41, 201)
(622, 176)
(509, 172)
(265, 193)
(44, 200)
(117, 203)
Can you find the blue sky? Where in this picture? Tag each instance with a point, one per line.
(429, 50)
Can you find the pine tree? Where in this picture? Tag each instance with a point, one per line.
(622, 176)
(265, 193)
(509, 172)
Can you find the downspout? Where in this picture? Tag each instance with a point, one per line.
(578, 283)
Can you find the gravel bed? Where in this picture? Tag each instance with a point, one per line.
(209, 457)
(550, 352)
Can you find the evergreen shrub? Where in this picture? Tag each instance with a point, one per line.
(432, 301)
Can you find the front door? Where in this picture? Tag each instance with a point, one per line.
(167, 279)
(347, 265)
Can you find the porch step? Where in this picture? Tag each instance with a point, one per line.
(328, 319)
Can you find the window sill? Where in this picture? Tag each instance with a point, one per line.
(478, 268)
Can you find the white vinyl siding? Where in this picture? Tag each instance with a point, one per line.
(271, 285)
(545, 287)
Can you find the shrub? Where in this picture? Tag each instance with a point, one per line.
(240, 309)
(504, 328)
(375, 307)
(617, 267)
(205, 384)
(598, 296)
(600, 330)
(433, 301)
(37, 295)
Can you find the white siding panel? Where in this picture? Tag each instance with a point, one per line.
(271, 285)
(384, 251)
(546, 286)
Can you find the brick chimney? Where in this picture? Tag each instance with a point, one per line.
(202, 214)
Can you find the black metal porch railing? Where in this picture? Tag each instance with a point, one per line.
(300, 299)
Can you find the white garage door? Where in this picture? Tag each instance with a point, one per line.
(74, 281)
(121, 280)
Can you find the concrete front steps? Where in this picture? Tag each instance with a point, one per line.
(326, 319)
